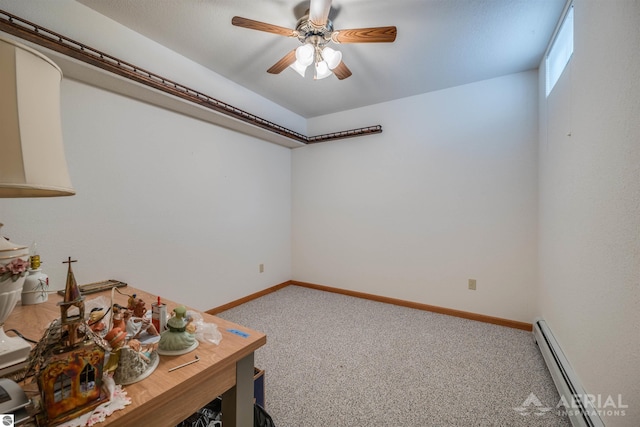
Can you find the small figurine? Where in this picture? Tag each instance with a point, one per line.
(129, 363)
(95, 321)
(131, 302)
(139, 307)
(118, 317)
(177, 338)
(115, 337)
(191, 326)
(145, 352)
(136, 321)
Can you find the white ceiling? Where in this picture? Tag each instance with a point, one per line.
(440, 44)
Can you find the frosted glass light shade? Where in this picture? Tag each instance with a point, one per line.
(304, 54)
(32, 161)
(322, 70)
(333, 57)
(299, 68)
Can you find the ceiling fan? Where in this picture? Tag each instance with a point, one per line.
(315, 31)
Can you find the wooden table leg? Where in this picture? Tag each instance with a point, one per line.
(237, 403)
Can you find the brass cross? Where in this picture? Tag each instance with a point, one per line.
(69, 261)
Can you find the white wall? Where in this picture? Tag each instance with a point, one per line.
(80, 23)
(589, 200)
(446, 193)
(167, 203)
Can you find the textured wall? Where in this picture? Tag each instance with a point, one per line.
(168, 203)
(164, 202)
(589, 200)
(446, 193)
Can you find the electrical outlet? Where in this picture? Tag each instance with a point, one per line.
(261, 268)
(472, 284)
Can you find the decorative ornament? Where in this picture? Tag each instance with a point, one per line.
(180, 338)
(69, 362)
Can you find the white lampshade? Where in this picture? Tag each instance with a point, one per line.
(299, 68)
(333, 57)
(322, 70)
(304, 54)
(32, 161)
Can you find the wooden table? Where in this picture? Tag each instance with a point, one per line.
(167, 398)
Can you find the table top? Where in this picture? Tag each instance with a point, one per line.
(167, 397)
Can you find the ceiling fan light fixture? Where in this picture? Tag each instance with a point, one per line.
(298, 68)
(305, 55)
(322, 70)
(332, 57)
(314, 30)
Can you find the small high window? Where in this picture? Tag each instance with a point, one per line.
(560, 52)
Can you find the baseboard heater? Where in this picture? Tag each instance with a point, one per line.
(569, 388)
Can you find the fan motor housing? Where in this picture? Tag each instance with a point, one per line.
(313, 34)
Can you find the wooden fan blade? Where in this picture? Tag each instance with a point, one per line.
(365, 35)
(342, 71)
(319, 12)
(286, 60)
(239, 21)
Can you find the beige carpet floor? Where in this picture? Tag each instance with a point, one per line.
(338, 361)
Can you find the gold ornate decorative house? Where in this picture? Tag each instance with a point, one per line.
(70, 376)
